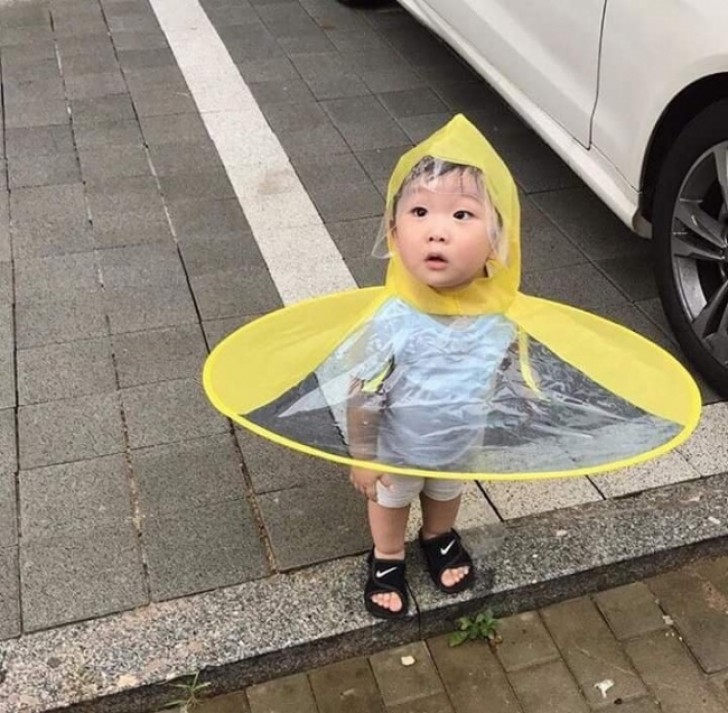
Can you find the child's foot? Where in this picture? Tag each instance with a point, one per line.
(385, 592)
(448, 562)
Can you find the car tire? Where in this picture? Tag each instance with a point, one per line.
(690, 230)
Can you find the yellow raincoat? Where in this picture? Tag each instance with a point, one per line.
(573, 394)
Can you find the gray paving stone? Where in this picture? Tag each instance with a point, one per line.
(419, 127)
(412, 102)
(118, 205)
(6, 283)
(99, 164)
(9, 593)
(368, 271)
(514, 499)
(183, 476)
(142, 59)
(25, 16)
(210, 184)
(633, 275)
(696, 598)
(280, 90)
(315, 523)
(250, 41)
(137, 309)
(173, 128)
(398, 684)
(135, 229)
(329, 172)
(231, 14)
(8, 457)
(306, 43)
(203, 219)
(57, 277)
(543, 245)
(591, 652)
(631, 610)
(304, 130)
(29, 72)
(439, 703)
(17, 36)
(80, 316)
(203, 255)
(93, 39)
(169, 412)
(267, 70)
(364, 123)
(55, 169)
(50, 89)
(35, 112)
(204, 548)
(272, 468)
(327, 78)
(7, 368)
(548, 687)
(706, 450)
(159, 355)
(217, 329)
(89, 86)
(526, 642)
(5, 248)
(39, 141)
(61, 371)
(230, 293)
(118, 133)
(184, 157)
(351, 681)
(396, 79)
(145, 79)
(355, 40)
(471, 675)
(102, 110)
(72, 577)
(590, 224)
(349, 202)
(533, 164)
(26, 54)
(135, 23)
(97, 61)
(161, 102)
(290, 694)
(379, 163)
(74, 498)
(156, 264)
(578, 285)
(73, 429)
(132, 40)
(355, 238)
(8, 510)
(662, 660)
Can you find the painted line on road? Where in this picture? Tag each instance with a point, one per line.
(301, 256)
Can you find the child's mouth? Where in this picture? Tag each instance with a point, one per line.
(436, 262)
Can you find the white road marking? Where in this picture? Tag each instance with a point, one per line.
(301, 256)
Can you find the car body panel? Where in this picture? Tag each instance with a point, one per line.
(531, 43)
(633, 91)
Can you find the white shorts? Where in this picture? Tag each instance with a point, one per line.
(401, 490)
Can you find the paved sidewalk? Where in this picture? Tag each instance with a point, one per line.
(656, 646)
(125, 256)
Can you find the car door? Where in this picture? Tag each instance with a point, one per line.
(547, 49)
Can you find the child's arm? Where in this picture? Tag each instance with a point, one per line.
(362, 415)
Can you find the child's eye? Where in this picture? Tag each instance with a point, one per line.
(462, 214)
(419, 211)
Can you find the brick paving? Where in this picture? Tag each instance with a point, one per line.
(656, 646)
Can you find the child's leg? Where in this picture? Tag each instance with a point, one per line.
(388, 523)
(439, 512)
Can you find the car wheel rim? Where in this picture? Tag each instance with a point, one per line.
(699, 244)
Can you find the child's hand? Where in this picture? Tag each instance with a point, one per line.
(365, 481)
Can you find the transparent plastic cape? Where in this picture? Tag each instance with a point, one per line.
(482, 382)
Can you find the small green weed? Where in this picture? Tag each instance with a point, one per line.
(481, 626)
(193, 692)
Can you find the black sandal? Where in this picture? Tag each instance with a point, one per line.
(447, 552)
(385, 577)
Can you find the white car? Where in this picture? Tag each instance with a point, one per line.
(634, 97)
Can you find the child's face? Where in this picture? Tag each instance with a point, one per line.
(443, 236)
